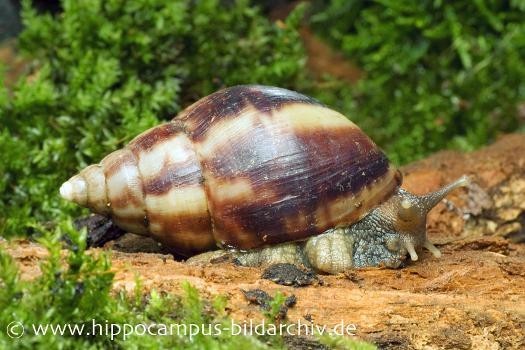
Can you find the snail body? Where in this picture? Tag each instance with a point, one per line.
(266, 173)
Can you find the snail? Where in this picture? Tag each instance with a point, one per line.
(267, 174)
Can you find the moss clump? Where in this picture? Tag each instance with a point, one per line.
(439, 74)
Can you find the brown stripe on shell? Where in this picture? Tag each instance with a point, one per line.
(124, 190)
(170, 162)
(175, 199)
(186, 234)
(232, 102)
(174, 175)
(121, 165)
(289, 174)
(131, 224)
(96, 193)
(149, 138)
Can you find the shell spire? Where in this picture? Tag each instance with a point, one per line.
(88, 189)
(75, 190)
(152, 187)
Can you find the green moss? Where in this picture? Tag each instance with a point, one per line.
(345, 343)
(439, 74)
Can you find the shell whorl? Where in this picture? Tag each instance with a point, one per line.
(244, 167)
(153, 186)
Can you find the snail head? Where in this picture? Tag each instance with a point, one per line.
(407, 214)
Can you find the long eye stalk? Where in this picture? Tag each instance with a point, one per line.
(430, 200)
(413, 210)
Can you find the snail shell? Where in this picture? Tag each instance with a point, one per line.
(244, 167)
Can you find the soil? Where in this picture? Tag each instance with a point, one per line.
(472, 297)
(323, 60)
(14, 64)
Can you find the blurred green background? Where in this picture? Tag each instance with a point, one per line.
(83, 77)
